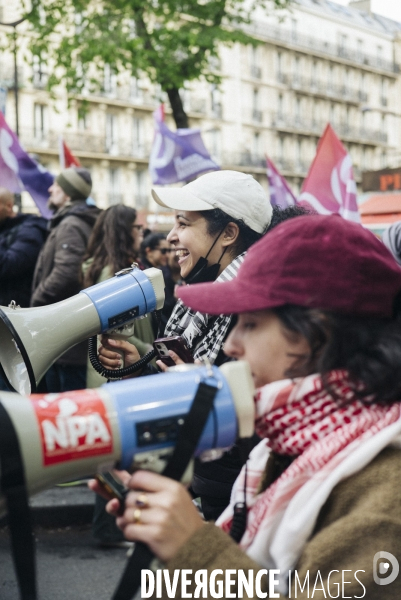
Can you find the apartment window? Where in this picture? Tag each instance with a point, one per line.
(297, 109)
(40, 122)
(298, 150)
(215, 98)
(280, 106)
(281, 153)
(297, 66)
(384, 91)
(315, 72)
(360, 48)
(140, 187)
(109, 80)
(279, 65)
(185, 95)
(256, 70)
(383, 159)
(136, 92)
(39, 73)
(257, 114)
(332, 117)
(138, 137)
(111, 133)
(83, 120)
(342, 40)
(115, 196)
(256, 145)
(214, 145)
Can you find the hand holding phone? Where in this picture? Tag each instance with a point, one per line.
(177, 345)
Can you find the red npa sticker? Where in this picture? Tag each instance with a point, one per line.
(72, 425)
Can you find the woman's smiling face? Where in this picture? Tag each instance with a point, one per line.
(191, 241)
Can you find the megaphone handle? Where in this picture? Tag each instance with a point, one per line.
(188, 438)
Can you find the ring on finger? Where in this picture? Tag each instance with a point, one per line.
(137, 515)
(142, 501)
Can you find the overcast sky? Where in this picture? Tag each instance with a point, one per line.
(388, 8)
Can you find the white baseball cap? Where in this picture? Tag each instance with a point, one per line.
(237, 194)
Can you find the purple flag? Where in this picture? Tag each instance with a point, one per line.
(280, 192)
(177, 156)
(18, 171)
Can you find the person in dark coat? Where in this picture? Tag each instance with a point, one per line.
(58, 270)
(21, 239)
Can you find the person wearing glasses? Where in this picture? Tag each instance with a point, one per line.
(155, 252)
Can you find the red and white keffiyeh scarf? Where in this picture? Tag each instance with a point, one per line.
(332, 440)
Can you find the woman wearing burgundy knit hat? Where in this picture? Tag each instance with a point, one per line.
(318, 303)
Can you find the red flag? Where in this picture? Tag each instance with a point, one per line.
(330, 186)
(67, 159)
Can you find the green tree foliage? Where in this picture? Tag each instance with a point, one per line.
(171, 41)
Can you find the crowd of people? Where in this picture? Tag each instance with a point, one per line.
(313, 304)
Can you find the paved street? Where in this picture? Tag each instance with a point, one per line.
(69, 563)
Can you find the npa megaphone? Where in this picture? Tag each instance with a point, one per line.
(32, 339)
(127, 424)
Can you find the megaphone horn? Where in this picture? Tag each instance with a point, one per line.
(31, 339)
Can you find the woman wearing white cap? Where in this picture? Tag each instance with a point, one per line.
(217, 218)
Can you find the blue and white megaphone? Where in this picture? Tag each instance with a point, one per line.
(31, 339)
(128, 424)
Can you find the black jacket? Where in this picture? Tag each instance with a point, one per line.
(21, 239)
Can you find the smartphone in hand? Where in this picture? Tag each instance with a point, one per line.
(177, 344)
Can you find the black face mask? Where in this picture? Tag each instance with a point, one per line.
(201, 273)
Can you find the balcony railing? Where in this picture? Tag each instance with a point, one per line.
(244, 159)
(315, 45)
(323, 88)
(84, 142)
(299, 124)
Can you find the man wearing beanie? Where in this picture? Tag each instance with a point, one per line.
(57, 272)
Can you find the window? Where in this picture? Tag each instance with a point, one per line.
(136, 93)
(111, 133)
(39, 73)
(140, 187)
(257, 114)
(280, 107)
(115, 196)
(138, 137)
(83, 120)
(40, 122)
(214, 144)
(256, 145)
(256, 70)
(279, 65)
(109, 81)
(215, 98)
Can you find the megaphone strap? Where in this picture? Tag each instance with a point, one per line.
(13, 486)
(184, 449)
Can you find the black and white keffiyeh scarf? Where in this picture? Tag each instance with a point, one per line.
(203, 333)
